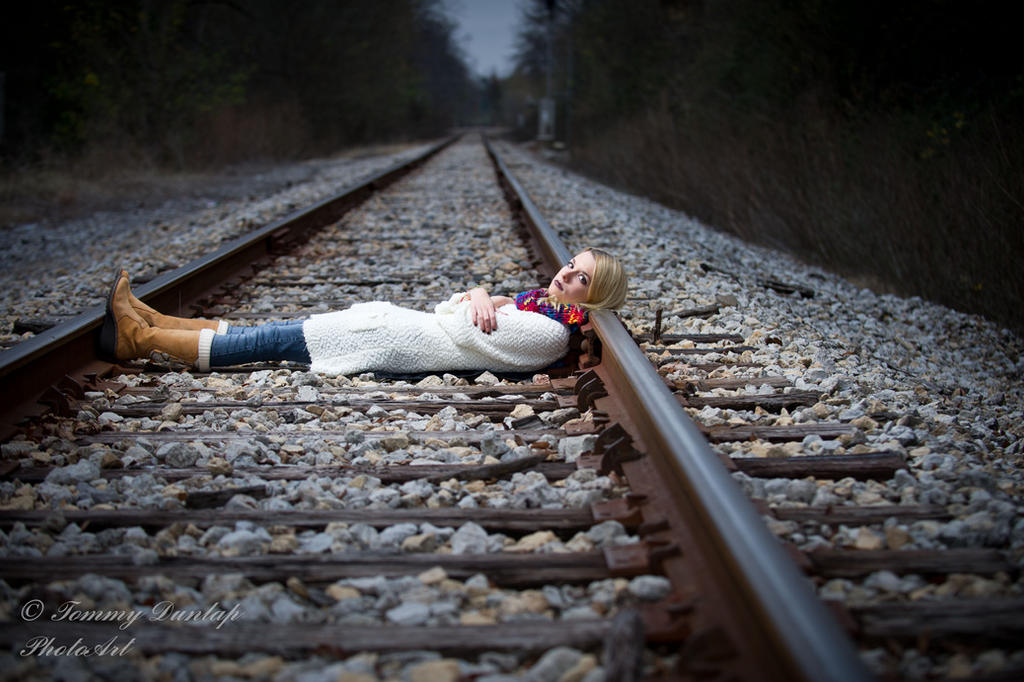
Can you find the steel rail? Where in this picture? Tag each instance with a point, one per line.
(781, 614)
(28, 369)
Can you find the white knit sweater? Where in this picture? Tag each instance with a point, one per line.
(379, 336)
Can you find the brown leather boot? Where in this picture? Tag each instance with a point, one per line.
(134, 341)
(157, 319)
(126, 336)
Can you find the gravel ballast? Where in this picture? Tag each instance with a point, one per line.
(939, 388)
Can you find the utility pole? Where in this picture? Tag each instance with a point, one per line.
(567, 110)
(2, 78)
(546, 112)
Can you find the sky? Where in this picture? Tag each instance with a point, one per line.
(486, 31)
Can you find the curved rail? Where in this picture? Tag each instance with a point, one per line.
(69, 348)
(776, 611)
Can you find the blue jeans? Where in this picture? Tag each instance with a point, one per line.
(271, 341)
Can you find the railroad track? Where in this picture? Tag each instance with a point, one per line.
(464, 524)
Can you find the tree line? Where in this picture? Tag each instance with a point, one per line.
(883, 140)
(187, 82)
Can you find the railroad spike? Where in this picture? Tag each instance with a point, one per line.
(615, 446)
(588, 389)
(58, 401)
(656, 334)
(583, 378)
(611, 437)
(70, 386)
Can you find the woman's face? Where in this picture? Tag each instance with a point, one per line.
(572, 283)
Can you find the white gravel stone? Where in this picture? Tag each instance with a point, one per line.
(242, 541)
(409, 613)
(650, 587)
(553, 664)
(469, 539)
(82, 471)
(572, 447)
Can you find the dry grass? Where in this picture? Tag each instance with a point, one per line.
(59, 188)
(935, 211)
(120, 174)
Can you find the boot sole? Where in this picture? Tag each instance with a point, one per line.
(108, 332)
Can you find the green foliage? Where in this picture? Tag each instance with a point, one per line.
(131, 70)
(196, 81)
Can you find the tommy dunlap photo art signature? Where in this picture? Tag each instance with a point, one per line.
(43, 644)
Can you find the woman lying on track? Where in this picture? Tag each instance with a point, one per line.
(470, 331)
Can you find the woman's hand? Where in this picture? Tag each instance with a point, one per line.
(484, 309)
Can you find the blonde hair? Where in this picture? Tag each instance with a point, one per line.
(609, 285)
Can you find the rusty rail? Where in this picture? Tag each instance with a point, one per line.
(751, 613)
